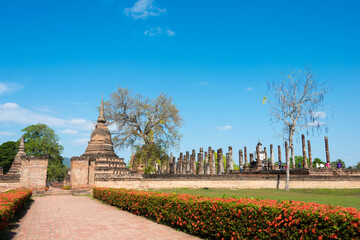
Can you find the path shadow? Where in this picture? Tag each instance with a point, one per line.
(10, 231)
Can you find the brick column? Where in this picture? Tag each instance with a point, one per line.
(272, 156)
(231, 159)
(279, 153)
(245, 157)
(310, 157)
(304, 150)
(241, 159)
(327, 150)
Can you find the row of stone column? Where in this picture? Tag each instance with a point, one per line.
(205, 164)
(303, 141)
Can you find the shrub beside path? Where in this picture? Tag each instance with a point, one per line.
(79, 217)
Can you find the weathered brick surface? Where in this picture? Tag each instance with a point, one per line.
(70, 217)
(79, 172)
(33, 172)
(7, 185)
(246, 182)
(98, 159)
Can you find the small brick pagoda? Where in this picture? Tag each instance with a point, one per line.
(16, 164)
(99, 162)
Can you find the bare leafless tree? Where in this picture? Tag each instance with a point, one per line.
(296, 101)
(141, 120)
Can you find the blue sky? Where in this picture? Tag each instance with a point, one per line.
(213, 58)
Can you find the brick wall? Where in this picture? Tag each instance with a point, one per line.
(79, 176)
(33, 172)
(232, 182)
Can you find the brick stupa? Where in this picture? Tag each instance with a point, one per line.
(99, 162)
(16, 164)
(100, 141)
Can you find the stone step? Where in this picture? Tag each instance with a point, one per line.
(61, 192)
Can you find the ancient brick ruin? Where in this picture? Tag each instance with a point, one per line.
(100, 166)
(207, 164)
(25, 171)
(99, 162)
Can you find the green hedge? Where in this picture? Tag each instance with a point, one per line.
(229, 218)
(10, 202)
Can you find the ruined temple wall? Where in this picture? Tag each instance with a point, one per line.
(79, 176)
(33, 172)
(230, 183)
(6, 185)
(92, 173)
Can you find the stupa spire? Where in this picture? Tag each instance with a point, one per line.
(22, 144)
(101, 118)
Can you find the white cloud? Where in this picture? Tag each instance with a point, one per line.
(249, 89)
(80, 141)
(12, 112)
(316, 124)
(9, 106)
(224, 128)
(170, 32)
(77, 121)
(203, 83)
(143, 9)
(7, 134)
(155, 31)
(69, 131)
(318, 114)
(9, 87)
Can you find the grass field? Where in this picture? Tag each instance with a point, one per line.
(342, 197)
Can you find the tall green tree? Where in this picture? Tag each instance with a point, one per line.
(299, 159)
(40, 140)
(145, 122)
(56, 171)
(8, 151)
(357, 166)
(149, 155)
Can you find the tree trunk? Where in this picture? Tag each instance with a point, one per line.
(291, 146)
(287, 182)
(293, 156)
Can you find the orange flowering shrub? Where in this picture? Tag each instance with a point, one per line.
(231, 218)
(10, 202)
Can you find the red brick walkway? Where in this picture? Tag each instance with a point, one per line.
(79, 217)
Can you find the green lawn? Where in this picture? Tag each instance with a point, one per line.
(342, 197)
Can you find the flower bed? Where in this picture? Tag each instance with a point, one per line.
(229, 218)
(10, 202)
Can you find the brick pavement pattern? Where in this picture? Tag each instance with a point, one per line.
(80, 217)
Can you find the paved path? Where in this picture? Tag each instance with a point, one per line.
(80, 217)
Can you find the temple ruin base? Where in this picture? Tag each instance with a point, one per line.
(32, 174)
(231, 182)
